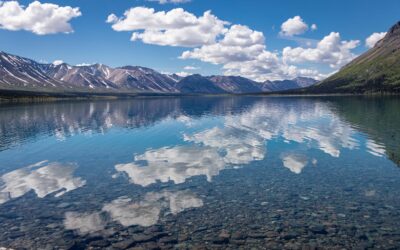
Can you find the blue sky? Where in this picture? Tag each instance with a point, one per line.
(259, 57)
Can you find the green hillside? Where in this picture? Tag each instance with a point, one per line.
(377, 70)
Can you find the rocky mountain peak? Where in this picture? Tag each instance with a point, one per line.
(395, 29)
(392, 37)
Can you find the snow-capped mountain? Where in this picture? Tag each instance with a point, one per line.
(93, 76)
(99, 76)
(25, 74)
(22, 74)
(142, 79)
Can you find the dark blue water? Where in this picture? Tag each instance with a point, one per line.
(205, 172)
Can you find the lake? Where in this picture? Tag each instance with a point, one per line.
(201, 172)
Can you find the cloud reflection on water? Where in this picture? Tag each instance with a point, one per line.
(84, 223)
(294, 162)
(127, 212)
(375, 148)
(173, 164)
(240, 146)
(43, 178)
(243, 138)
(247, 128)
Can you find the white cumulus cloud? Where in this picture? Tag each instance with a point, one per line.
(58, 62)
(183, 74)
(331, 50)
(238, 49)
(314, 26)
(83, 64)
(242, 51)
(293, 26)
(240, 43)
(169, 1)
(191, 68)
(176, 27)
(374, 38)
(39, 18)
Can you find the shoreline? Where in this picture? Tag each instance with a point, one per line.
(20, 96)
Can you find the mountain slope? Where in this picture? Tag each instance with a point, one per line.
(236, 84)
(99, 76)
(22, 74)
(92, 76)
(197, 84)
(18, 74)
(377, 70)
(296, 83)
(142, 79)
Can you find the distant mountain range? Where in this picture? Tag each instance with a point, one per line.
(377, 70)
(22, 74)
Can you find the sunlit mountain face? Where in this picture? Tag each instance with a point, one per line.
(200, 170)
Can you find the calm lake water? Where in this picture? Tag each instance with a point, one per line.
(184, 173)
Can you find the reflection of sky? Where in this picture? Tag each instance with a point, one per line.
(176, 164)
(145, 212)
(247, 133)
(240, 147)
(43, 178)
(84, 223)
(375, 148)
(127, 212)
(174, 144)
(294, 162)
(239, 139)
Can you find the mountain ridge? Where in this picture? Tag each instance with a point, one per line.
(23, 74)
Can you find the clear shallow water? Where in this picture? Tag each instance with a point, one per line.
(234, 172)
